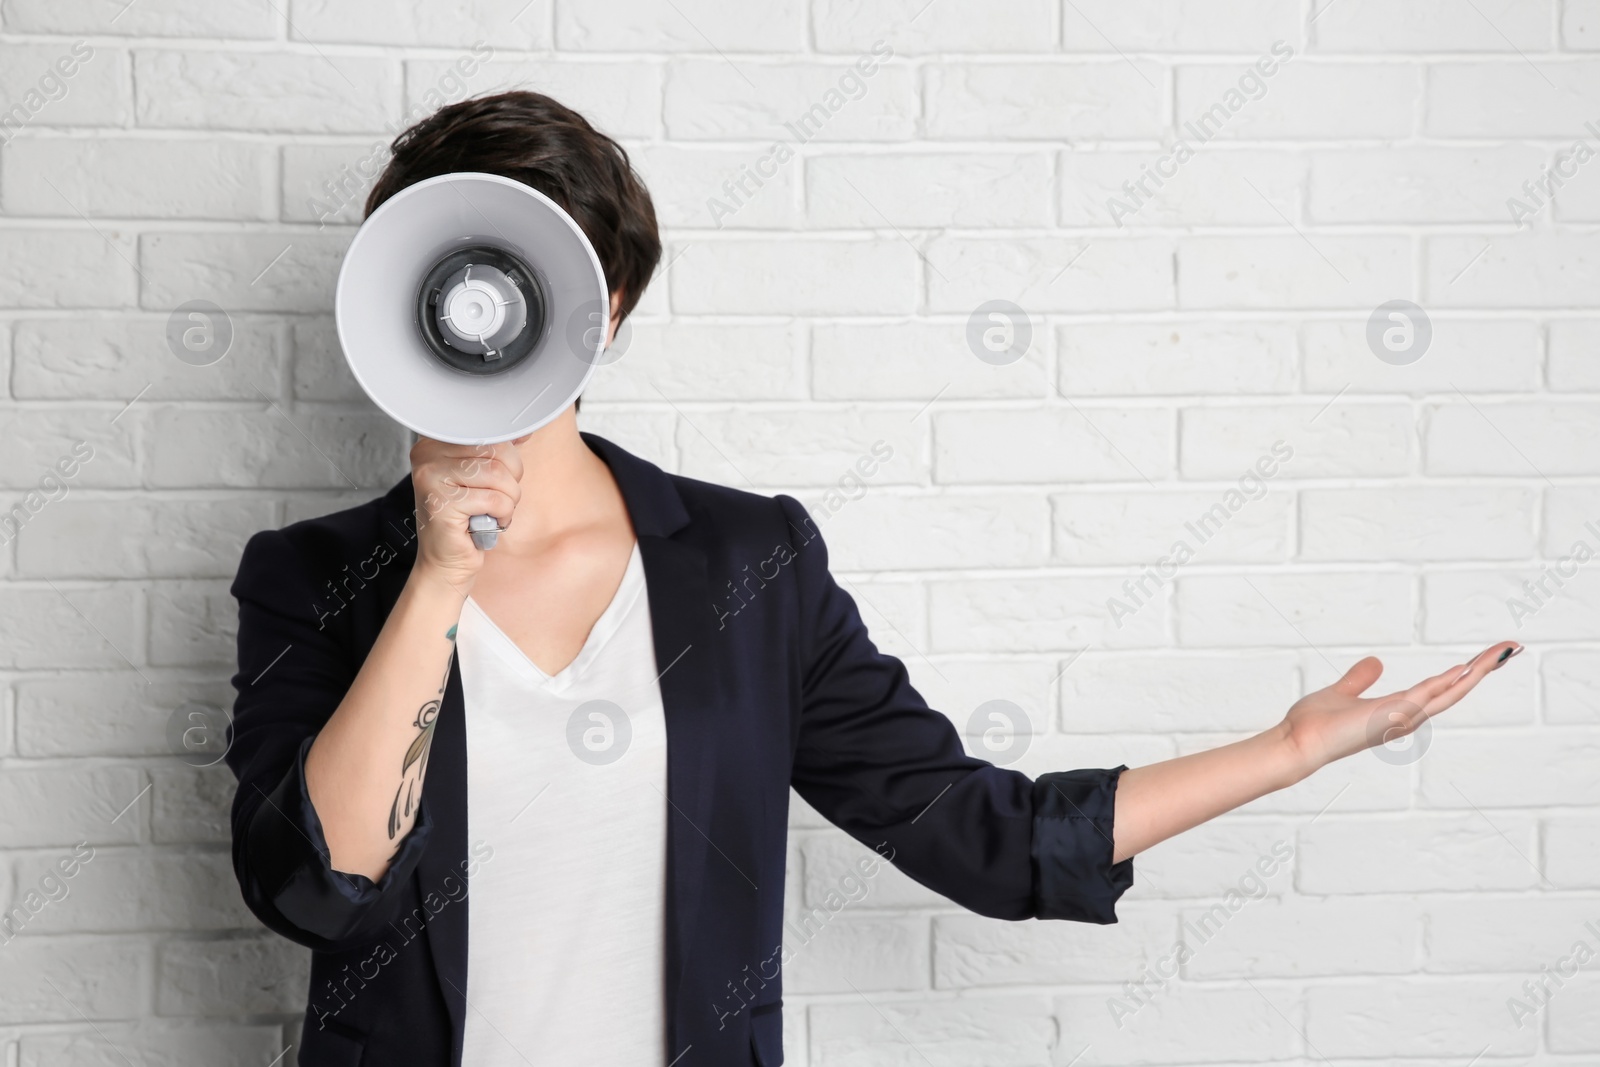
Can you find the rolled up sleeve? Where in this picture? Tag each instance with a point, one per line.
(293, 672)
(1074, 877)
(285, 839)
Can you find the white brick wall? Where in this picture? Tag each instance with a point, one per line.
(216, 151)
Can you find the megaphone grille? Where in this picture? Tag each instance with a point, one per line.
(469, 356)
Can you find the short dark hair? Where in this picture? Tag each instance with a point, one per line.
(542, 143)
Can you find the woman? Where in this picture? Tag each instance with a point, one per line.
(597, 725)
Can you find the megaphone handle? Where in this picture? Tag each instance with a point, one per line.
(485, 531)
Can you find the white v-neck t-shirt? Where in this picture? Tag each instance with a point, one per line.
(567, 783)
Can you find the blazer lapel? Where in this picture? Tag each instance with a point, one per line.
(680, 616)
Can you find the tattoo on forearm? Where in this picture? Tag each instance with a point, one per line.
(415, 765)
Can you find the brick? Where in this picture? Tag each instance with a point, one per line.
(149, 18)
(1500, 934)
(1580, 25)
(1568, 513)
(968, 190)
(1301, 101)
(885, 531)
(1165, 1029)
(190, 805)
(241, 272)
(1496, 606)
(255, 976)
(1186, 26)
(260, 449)
(1433, 184)
(1338, 439)
(1575, 355)
(1553, 768)
(136, 539)
(47, 268)
(1570, 680)
(724, 26)
(1534, 270)
(510, 24)
(311, 93)
(1133, 189)
(851, 26)
(1421, 853)
(1164, 693)
(1519, 439)
(193, 624)
(121, 891)
(1037, 615)
(1045, 274)
(894, 611)
(959, 685)
(791, 448)
(703, 361)
(1296, 937)
(1441, 1018)
(722, 188)
(1144, 527)
(98, 978)
(1424, 524)
(1470, 355)
(916, 360)
(1433, 26)
(320, 370)
(1070, 444)
(1096, 100)
(972, 952)
(32, 76)
(1572, 851)
(621, 99)
(58, 808)
(1291, 610)
(650, 436)
(1173, 358)
(1233, 862)
(69, 626)
(46, 443)
(789, 103)
(831, 862)
(1574, 1022)
(328, 183)
(110, 713)
(175, 1043)
(852, 954)
(1293, 271)
(1013, 1030)
(126, 177)
(807, 277)
(119, 358)
(1510, 98)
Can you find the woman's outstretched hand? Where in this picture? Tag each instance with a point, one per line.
(1161, 800)
(1338, 721)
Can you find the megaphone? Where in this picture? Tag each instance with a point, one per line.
(472, 309)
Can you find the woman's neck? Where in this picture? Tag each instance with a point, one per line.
(565, 486)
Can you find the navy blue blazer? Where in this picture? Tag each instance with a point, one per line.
(770, 680)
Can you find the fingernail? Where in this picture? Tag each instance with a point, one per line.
(1503, 657)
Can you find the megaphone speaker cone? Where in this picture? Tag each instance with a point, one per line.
(471, 308)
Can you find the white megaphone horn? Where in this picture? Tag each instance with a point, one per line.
(472, 309)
